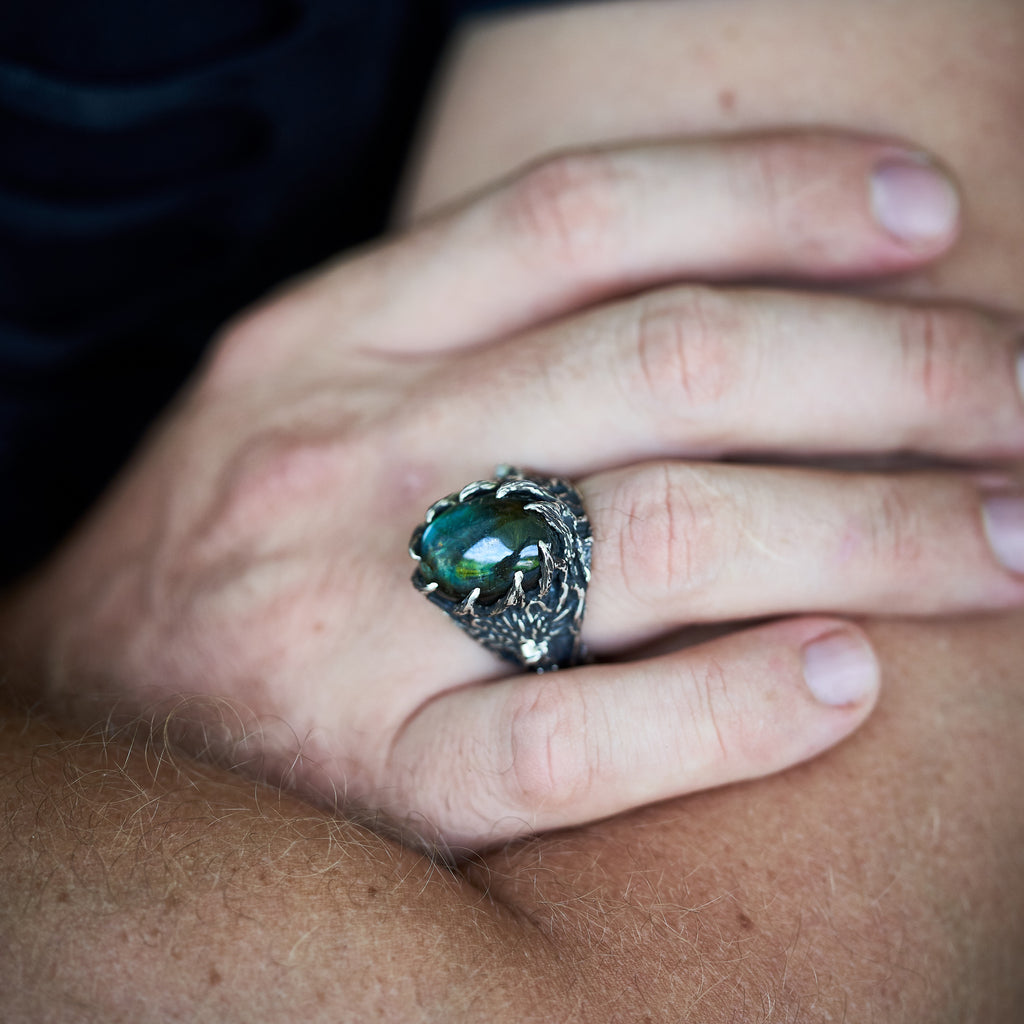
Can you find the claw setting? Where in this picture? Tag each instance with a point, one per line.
(509, 560)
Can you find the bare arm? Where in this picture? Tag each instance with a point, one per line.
(142, 886)
(881, 882)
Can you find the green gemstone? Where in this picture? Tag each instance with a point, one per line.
(483, 542)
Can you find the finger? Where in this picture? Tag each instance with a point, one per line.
(707, 371)
(678, 543)
(487, 763)
(582, 226)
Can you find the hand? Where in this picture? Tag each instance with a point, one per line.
(256, 553)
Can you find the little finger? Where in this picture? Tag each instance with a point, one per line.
(486, 763)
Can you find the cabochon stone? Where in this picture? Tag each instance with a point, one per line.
(483, 542)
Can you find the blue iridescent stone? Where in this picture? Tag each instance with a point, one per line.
(483, 542)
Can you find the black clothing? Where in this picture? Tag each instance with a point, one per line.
(161, 165)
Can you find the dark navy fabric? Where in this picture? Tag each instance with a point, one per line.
(161, 165)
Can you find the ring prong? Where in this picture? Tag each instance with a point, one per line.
(547, 566)
(517, 595)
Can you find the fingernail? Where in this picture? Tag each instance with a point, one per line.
(840, 668)
(1004, 526)
(913, 200)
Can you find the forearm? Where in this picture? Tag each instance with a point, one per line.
(142, 886)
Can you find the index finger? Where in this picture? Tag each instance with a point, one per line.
(579, 227)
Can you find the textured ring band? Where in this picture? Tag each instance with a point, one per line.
(509, 560)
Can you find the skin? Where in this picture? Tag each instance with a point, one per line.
(654, 69)
(854, 889)
(229, 591)
(881, 882)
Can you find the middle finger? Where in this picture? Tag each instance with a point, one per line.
(694, 371)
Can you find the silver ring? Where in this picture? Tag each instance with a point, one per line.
(509, 560)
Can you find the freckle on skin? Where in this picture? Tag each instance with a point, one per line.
(727, 100)
(215, 976)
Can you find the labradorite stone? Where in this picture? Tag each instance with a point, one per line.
(483, 542)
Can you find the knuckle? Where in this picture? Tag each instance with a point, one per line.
(686, 350)
(276, 474)
(895, 534)
(243, 580)
(547, 726)
(709, 703)
(252, 531)
(251, 344)
(669, 539)
(770, 175)
(567, 207)
(792, 185)
(931, 345)
(766, 171)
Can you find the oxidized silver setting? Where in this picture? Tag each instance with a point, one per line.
(536, 628)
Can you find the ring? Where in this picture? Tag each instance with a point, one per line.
(509, 560)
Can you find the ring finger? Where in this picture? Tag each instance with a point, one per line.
(678, 543)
